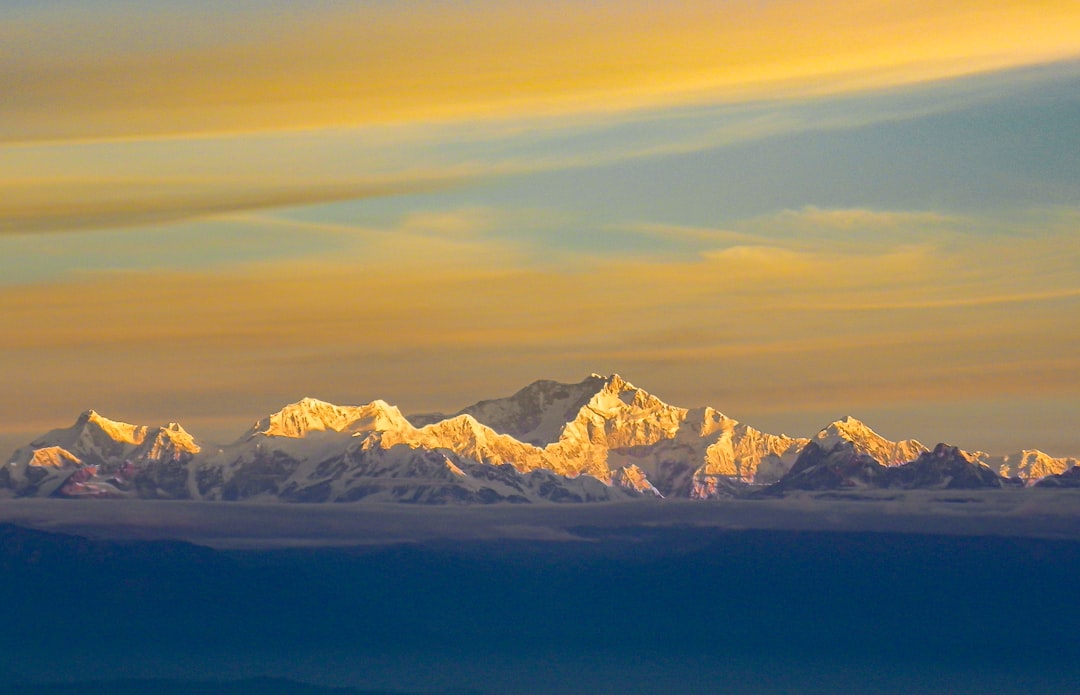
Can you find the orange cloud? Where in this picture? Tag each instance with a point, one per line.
(78, 74)
(63, 205)
(421, 318)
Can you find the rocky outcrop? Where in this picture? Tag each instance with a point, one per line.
(844, 467)
(1070, 478)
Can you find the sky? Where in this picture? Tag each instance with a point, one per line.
(790, 210)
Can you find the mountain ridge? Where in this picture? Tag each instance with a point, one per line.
(596, 440)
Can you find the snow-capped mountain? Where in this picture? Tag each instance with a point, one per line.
(603, 424)
(869, 442)
(1069, 478)
(309, 415)
(600, 439)
(99, 457)
(831, 465)
(1029, 464)
(608, 428)
(312, 451)
(840, 465)
(534, 415)
(946, 467)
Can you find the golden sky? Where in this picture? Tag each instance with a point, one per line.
(80, 70)
(791, 211)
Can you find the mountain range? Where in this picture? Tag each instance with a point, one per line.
(601, 439)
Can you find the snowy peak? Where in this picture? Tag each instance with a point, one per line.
(620, 397)
(534, 415)
(618, 393)
(708, 421)
(92, 439)
(1069, 478)
(839, 464)
(97, 456)
(114, 430)
(1028, 464)
(53, 457)
(308, 415)
(620, 415)
(946, 467)
(541, 413)
(847, 429)
(869, 442)
(843, 466)
(170, 441)
(93, 433)
(605, 423)
(600, 438)
(468, 437)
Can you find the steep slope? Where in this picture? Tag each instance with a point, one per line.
(619, 434)
(1069, 478)
(683, 453)
(601, 438)
(312, 451)
(618, 416)
(844, 466)
(1028, 464)
(869, 442)
(310, 415)
(710, 455)
(534, 415)
(946, 467)
(103, 458)
(604, 424)
(840, 466)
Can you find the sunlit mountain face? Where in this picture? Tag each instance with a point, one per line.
(602, 439)
(567, 538)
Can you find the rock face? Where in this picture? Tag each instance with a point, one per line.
(1070, 478)
(840, 466)
(1029, 464)
(534, 415)
(869, 442)
(97, 457)
(605, 424)
(844, 467)
(603, 429)
(597, 440)
(948, 468)
(313, 451)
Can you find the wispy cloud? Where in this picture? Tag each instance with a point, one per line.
(402, 308)
(83, 72)
(854, 219)
(693, 234)
(124, 120)
(811, 235)
(163, 178)
(31, 207)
